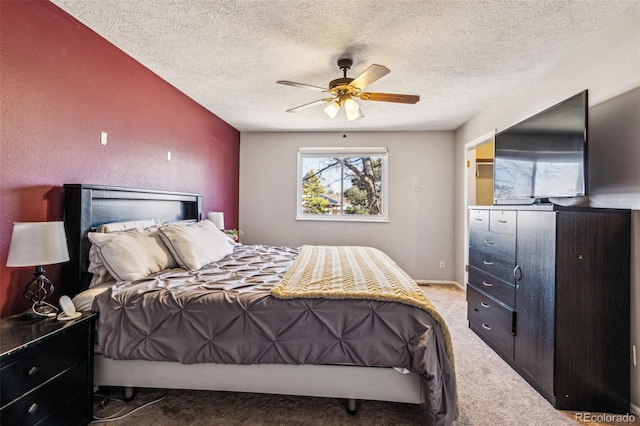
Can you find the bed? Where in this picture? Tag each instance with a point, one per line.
(275, 342)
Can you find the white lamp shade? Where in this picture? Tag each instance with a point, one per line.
(332, 109)
(217, 218)
(38, 243)
(351, 106)
(354, 115)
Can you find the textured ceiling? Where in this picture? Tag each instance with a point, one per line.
(459, 56)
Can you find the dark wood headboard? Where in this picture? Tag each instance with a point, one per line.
(89, 206)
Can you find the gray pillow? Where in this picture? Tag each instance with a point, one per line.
(133, 254)
(196, 245)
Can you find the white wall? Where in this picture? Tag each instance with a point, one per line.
(608, 65)
(420, 229)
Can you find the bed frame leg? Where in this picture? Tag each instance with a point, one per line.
(127, 391)
(351, 406)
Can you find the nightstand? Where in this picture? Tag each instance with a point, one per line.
(46, 371)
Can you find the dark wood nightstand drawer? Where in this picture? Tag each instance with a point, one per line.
(44, 401)
(503, 221)
(46, 371)
(491, 320)
(501, 290)
(36, 367)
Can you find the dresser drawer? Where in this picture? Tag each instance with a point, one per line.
(503, 221)
(493, 253)
(497, 267)
(500, 246)
(492, 321)
(48, 403)
(495, 287)
(479, 219)
(35, 367)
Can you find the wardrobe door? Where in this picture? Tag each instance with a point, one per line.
(593, 327)
(535, 296)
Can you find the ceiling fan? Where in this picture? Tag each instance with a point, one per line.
(344, 89)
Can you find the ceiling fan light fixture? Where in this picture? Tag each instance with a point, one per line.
(345, 88)
(332, 109)
(351, 106)
(353, 115)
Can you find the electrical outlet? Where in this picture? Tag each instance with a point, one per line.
(442, 264)
(103, 138)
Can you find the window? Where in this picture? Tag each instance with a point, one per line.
(342, 184)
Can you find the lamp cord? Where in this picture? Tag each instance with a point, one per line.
(116, 416)
(50, 314)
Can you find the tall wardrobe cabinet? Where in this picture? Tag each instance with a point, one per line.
(549, 291)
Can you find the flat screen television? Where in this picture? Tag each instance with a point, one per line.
(544, 156)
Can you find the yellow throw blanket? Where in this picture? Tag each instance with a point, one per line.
(349, 272)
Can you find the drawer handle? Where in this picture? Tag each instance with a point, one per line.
(502, 220)
(485, 305)
(488, 242)
(485, 326)
(487, 263)
(479, 219)
(517, 273)
(487, 284)
(33, 408)
(32, 371)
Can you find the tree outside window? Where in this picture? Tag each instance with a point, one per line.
(342, 185)
(312, 191)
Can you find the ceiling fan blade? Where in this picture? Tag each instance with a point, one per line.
(389, 97)
(369, 76)
(310, 105)
(301, 85)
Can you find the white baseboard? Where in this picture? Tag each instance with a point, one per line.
(635, 409)
(439, 282)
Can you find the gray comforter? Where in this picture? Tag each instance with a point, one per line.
(224, 313)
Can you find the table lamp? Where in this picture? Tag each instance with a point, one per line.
(37, 244)
(217, 218)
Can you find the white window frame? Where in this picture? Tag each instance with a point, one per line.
(381, 152)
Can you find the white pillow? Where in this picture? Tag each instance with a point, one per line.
(229, 238)
(123, 226)
(83, 301)
(96, 267)
(196, 245)
(133, 254)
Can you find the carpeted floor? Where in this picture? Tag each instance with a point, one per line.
(489, 393)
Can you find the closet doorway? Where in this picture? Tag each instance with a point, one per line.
(484, 174)
(478, 182)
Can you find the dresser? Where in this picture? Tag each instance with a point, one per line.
(46, 371)
(549, 291)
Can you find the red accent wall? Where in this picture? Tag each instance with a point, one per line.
(61, 84)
